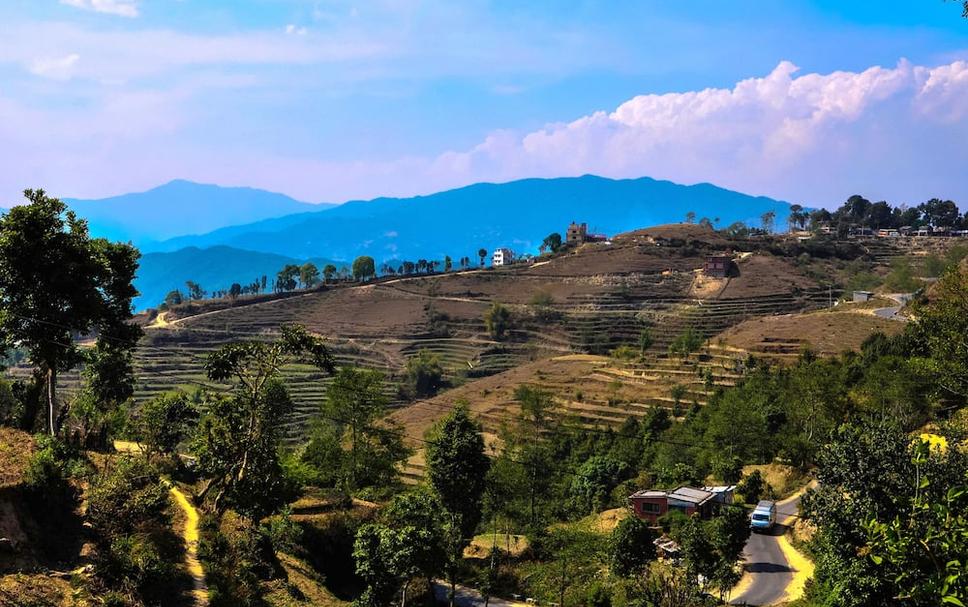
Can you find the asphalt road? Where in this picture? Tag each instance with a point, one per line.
(770, 572)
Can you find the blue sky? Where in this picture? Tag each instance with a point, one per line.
(329, 101)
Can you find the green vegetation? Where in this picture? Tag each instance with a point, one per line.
(364, 268)
(497, 319)
(423, 375)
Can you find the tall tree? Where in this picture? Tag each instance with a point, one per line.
(55, 283)
(552, 242)
(195, 290)
(364, 268)
(356, 400)
(329, 271)
(766, 220)
(482, 253)
(457, 468)
(237, 441)
(287, 278)
(308, 275)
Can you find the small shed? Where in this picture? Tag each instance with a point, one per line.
(862, 296)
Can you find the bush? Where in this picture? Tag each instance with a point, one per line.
(424, 375)
(625, 353)
(752, 487)
(497, 319)
(632, 546)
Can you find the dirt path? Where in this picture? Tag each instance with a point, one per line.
(189, 534)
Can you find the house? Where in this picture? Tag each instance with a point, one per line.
(718, 266)
(502, 257)
(862, 296)
(578, 233)
(722, 494)
(888, 233)
(650, 505)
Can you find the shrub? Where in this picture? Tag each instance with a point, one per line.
(752, 487)
(632, 546)
(497, 319)
(424, 375)
(624, 353)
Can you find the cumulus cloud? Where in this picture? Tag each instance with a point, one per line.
(121, 8)
(294, 30)
(782, 134)
(57, 68)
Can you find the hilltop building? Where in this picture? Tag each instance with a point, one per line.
(502, 257)
(578, 234)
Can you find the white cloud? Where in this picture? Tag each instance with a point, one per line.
(57, 68)
(121, 8)
(293, 30)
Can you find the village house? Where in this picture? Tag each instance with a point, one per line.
(717, 266)
(502, 257)
(650, 504)
(577, 234)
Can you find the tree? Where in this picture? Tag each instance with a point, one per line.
(497, 319)
(766, 220)
(594, 481)
(552, 242)
(406, 543)
(57, 282)
(309, 275)
(165, 421)
(691, 217)
(237, 441)
(174, 298)
(482, 253)
(924, 555)
(457, 469)
(235, 290)
(645, 340)
(287, 278)
(195, 290)
(356, 401)
(364, 268)
(423, 375)
(448, 263)
(797, 216)
(329, 271)
(632, 546)
(752, 487)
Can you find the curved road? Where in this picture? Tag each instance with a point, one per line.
(775, 571)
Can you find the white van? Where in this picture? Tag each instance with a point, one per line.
(764, 516)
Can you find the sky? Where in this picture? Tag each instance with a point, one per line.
(328, 101)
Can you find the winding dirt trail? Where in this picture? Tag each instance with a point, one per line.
(189, 534)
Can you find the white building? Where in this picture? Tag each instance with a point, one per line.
(502, 257)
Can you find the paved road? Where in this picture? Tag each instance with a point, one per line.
(891, 313)
(770, 573)
(468, 597)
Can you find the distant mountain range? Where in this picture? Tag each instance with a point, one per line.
(216, 236)
(182, 207)
(215, 269)
(458, 222)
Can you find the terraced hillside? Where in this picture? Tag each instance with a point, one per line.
(587, 301)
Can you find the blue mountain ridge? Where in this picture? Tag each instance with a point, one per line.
(182, 207)
(517, 214)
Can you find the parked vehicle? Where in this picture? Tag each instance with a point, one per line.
(764, 516)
